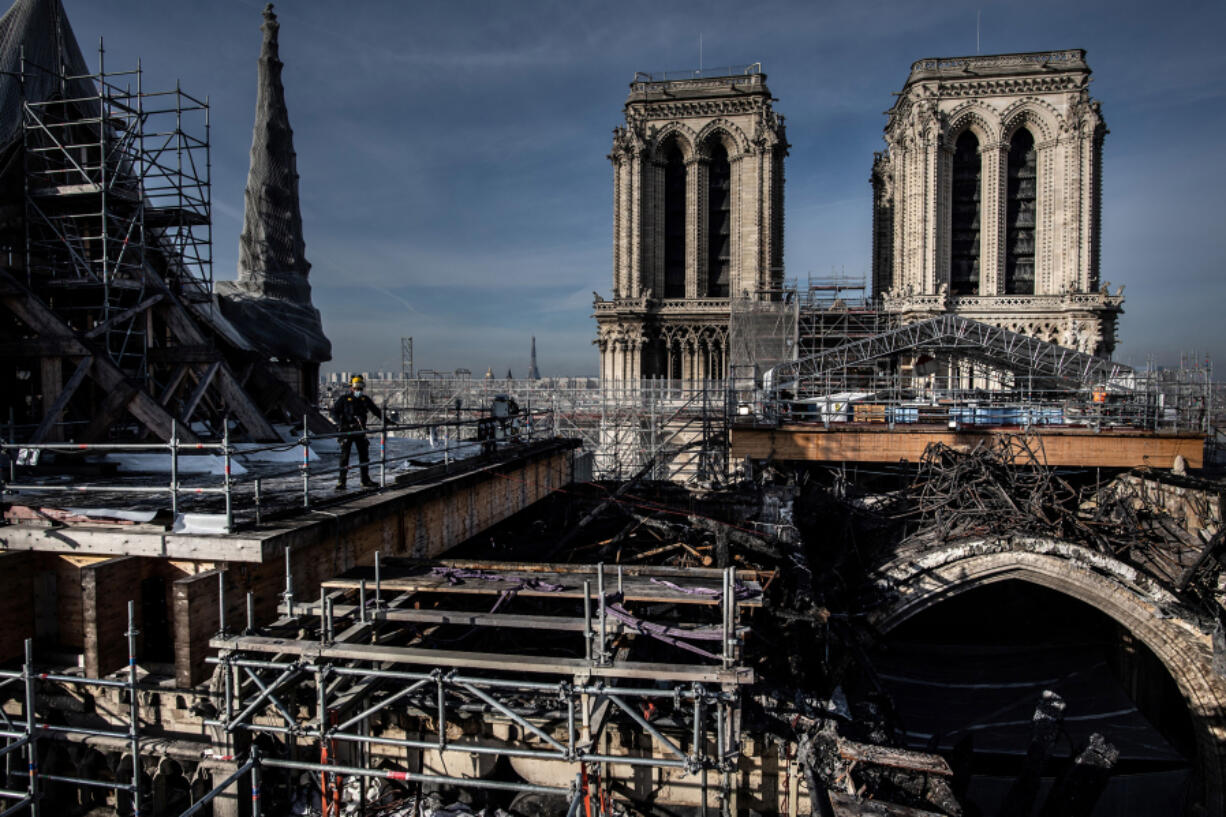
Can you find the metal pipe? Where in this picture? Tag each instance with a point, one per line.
(647, 727)
(516, 717)
(227, 691)
(576, 796)
(219, 788)
(250, 612)
(221, 602)
(258, 501)
(118, 489)
(362, 601)
(467, 748)
(106, 446)
(47, 728)
(306, 463)
(366, 713)
(256, 782)
(14, 746)
(587, 618)
(174, 467)
(31, 739)
(225, 452)
(684, 692)
(602, 655)
(378, 583)
(329, 626)
(442, 712)
(383, 448)
(289, 584)
(82, 781)
(266, 692)
(697, 750)
(387, 774)
(133, 708)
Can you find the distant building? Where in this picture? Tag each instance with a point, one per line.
(987, 201)
(533, 372)
(697, 217)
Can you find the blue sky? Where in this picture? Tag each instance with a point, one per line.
(452, 154)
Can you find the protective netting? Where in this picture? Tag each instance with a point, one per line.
(761, 335)
(271, 300)
(38, 29)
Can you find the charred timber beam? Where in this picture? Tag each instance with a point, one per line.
(1045, 728)
(37, 347)
(1076, 793)
(120, 317)
(185, 353)
(36, 315)
(236, 399)
(61, 402)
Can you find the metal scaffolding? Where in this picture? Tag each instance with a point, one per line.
(383, 658)
(680, 429)
(117, 194)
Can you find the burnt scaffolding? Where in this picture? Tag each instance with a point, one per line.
(116, 192)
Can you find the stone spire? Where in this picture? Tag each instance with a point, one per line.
(272, 255)
(271, 300)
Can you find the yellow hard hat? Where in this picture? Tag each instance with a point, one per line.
(357, 380)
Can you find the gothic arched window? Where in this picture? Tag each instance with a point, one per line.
(719, 222)
(674, 221)
(964, 239)
(1021, 196)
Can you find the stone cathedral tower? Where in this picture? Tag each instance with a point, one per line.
(697, 217)
(987, 200)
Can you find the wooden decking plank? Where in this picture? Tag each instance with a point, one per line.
(511, 663)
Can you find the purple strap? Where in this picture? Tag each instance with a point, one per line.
(456, 575)
(669, 635)
(740, 589)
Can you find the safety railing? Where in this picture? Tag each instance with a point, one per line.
(849, 402)
(460, 438)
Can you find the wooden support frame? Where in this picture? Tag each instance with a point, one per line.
(36, 315)
(61, 401)
(120, 317)
(189, 408)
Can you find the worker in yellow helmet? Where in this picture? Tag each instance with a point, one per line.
(350, 411)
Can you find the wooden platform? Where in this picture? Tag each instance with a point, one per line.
(1072, 447)
(640, 583)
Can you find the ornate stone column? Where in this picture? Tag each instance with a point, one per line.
(992, 218)
(654, 226)
(1047, 226)
(741, 273)
(943, 215)
(636, 222)
(695, 224)
(619, 223)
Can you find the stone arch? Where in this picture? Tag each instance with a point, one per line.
(685, 137)
(915, 581)
(974, 116)
(733, 138)
(1042, 120)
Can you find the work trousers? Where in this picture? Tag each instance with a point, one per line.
(360, 442)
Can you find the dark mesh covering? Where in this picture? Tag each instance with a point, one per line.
(41, 27)
(271, 300)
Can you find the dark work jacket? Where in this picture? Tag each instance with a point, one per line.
(349, 411)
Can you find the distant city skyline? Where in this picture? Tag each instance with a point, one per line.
(452, 157)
